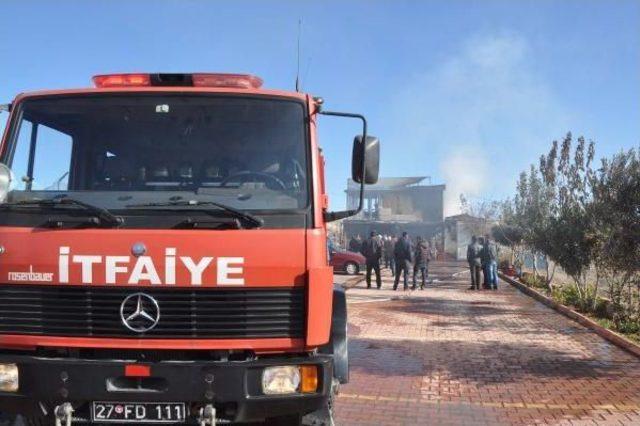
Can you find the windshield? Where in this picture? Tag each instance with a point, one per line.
(119, 151)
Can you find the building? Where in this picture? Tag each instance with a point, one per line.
(397, 204)
(457, 234)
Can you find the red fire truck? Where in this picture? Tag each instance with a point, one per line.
(163, 254)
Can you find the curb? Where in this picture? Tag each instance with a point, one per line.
(352, 282)
(613, 337)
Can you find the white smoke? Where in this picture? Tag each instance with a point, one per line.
(465, 172)
(479, 117)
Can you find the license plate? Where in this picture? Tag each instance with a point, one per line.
(139, 412)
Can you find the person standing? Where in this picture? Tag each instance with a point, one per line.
(380, 240)
(431, 257)
(490, 260)
(485, 284)
(385, 260)
(331, 249)
(475, 262)
(354, 244)
(422, 256)
(402, 254)
(372, 251)
(389, 259)
(434, 250)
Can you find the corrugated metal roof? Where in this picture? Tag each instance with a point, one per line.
(389, 183)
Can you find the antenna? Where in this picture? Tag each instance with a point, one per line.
(298, 56)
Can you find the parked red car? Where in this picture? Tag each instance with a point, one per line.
(347, 261)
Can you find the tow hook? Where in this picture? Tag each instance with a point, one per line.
(207, 415)
(63, 414)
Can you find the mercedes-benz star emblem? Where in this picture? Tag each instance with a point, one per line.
(139, 312)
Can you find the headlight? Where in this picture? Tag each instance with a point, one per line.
(8, 377)
(280, 380)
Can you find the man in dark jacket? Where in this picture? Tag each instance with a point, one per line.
(372, 252)
(402, 254)
(354, 244)
(490, 263)
(422, 256)
(474, 253)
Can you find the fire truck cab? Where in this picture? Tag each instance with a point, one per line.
(163, 254)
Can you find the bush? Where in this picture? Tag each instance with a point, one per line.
(557, 294)
(532, 280)
(628, 327)
(603, 308)
(569, 295)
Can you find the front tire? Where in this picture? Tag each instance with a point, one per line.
(351, 268)
(323, 416)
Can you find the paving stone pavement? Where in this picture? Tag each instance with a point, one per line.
(452, 356)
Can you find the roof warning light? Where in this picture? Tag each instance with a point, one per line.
(236, 81)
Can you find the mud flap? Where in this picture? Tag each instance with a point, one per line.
(338, 343)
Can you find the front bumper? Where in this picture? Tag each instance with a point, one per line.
(234, 388)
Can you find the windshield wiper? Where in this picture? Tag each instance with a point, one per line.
(249, 219)
(104, 215)
(229, 223)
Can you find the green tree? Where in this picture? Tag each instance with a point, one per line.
(550, 209)
(615, 213)
(584, 219)
(567, 185)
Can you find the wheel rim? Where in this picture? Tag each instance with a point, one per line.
(351, 269)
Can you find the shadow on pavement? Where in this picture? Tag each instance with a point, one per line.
(481, 362)
(461, 371)
(446, 307)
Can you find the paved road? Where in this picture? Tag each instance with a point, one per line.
(450, 356)
(343, 278)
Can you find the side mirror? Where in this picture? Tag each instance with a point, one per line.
(371, 151)
(5, 181)
(365, 162)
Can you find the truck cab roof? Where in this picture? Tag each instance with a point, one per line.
(165, 82)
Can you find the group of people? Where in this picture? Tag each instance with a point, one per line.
(482, 255)
(400, 255)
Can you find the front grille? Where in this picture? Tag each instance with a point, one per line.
(184, 313)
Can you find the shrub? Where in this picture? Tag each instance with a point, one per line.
(532, 280)
(557, 294)
(628, 327)
(567, 295)
(602, 308)
(583, 301)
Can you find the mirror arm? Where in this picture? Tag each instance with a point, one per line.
(32, 154)
(332, 216)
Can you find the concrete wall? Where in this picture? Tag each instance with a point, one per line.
(458, 233)
(406, 204)
(429, 201)
(426, 230)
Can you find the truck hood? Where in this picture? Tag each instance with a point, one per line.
(180, 258)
